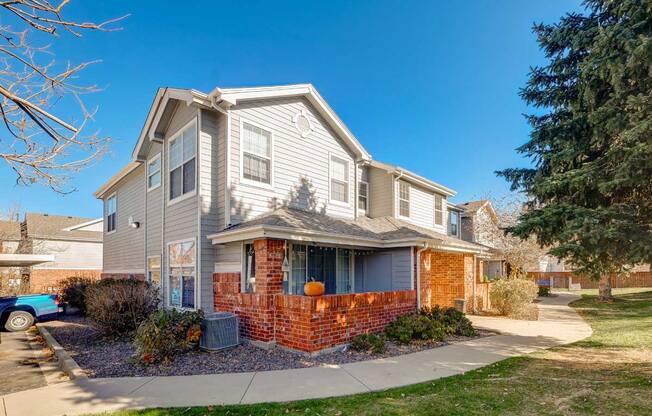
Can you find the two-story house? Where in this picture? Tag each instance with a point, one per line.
(480, 224)
(234, 199)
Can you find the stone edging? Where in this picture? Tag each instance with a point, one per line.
(67, 364)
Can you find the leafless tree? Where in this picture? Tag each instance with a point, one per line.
(489, 227)
(40, 144)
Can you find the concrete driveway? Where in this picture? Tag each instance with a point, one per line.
(19, 368)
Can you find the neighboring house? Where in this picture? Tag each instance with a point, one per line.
(234, 199)
(480, 224)
(74, 243)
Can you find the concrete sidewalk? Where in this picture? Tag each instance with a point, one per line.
(558, 324)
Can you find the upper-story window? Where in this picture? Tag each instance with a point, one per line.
(453, 220)
(111, 208)
(339, 177)
(154, 172)
(363, 196)
(183, 156)
(256, 154)
(439, 210)
(403, 199)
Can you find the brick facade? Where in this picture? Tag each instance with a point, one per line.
(48, 280)
(562, 279)
(445, 277)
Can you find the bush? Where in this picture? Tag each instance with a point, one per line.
(167, 333)
(369, 343)
(119, 306)
(544, 291)
(73, 291)
(453, 321)
(415, 327)
(512, 296)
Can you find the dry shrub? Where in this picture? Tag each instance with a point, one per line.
(511, 297)
(119, 306)
(73, 291)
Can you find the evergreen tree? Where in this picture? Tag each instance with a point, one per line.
(590, 187)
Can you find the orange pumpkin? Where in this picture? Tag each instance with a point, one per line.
(314, 289)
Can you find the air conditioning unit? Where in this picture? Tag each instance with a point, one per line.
(219, 330)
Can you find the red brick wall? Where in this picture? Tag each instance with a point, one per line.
(445, 277)
(314, 323)
(48, 280)
(636, 279)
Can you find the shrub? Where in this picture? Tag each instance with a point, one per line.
(119, 306)
(544, 291)
(512, 296)
(415, 327)
(369, 343)
(167, 333)
(453, 321)
(73, 291)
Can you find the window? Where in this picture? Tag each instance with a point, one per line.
(183, 150)
(363, 196)
(339, 173)
(439, 212)
(250, 268)
(154, 270)
(256, 154)
(403, 199)
(453, 219)
(329, 265)
(154, 172)
(181, 277)
(110, 213)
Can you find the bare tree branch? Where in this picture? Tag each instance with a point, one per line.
(39, 145)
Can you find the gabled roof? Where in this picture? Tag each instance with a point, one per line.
(383, 232)
(232, 96)
(413, 177)
(59, 227)
(9, 230)
(130, 167)
(472, 207)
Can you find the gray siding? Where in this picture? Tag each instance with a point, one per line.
(422, 209)
(300, 165)
(211, 197)
(124, 249)
(380, 193)
(384, 271)
(154, 209)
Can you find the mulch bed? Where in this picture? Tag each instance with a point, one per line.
(102, 357)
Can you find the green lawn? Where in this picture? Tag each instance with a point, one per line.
(615, 292)
(609, 373)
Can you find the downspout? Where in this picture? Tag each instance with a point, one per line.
(475, 279)
(419, 251)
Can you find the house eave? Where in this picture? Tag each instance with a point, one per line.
(414, 178)
(101, 191)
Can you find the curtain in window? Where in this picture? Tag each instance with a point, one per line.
(339, 180)
(257, 154)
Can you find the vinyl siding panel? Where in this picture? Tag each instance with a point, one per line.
(70, 254)
(380, 193)
(385, 270)
(124, 249)
(300, 165)
(422, 209)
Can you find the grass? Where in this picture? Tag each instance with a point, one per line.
(615, 291)
(609, 373)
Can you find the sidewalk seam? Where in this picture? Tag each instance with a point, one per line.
(355, 378)
(247, 389)
(142, 385)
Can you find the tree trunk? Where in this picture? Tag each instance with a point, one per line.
(604, 289)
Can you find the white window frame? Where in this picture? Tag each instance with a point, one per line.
(398, 197)
(450, 224)
(441, 210)
(271, 158)
(160, 264)
(330, 181)
(366, 196)
(167, 275)
(160, 172)
(183, 161)
(115, 220)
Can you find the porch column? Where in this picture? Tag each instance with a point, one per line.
(269, 266)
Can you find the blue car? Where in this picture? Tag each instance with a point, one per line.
(18, 313)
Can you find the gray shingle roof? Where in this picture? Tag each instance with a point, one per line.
(53, 226)
(382, 229)
(472, 207)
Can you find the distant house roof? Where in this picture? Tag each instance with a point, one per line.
(472, 207)
(383, 232)
(59, 227)
(9, 230)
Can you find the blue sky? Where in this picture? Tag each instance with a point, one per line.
(431, 86)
